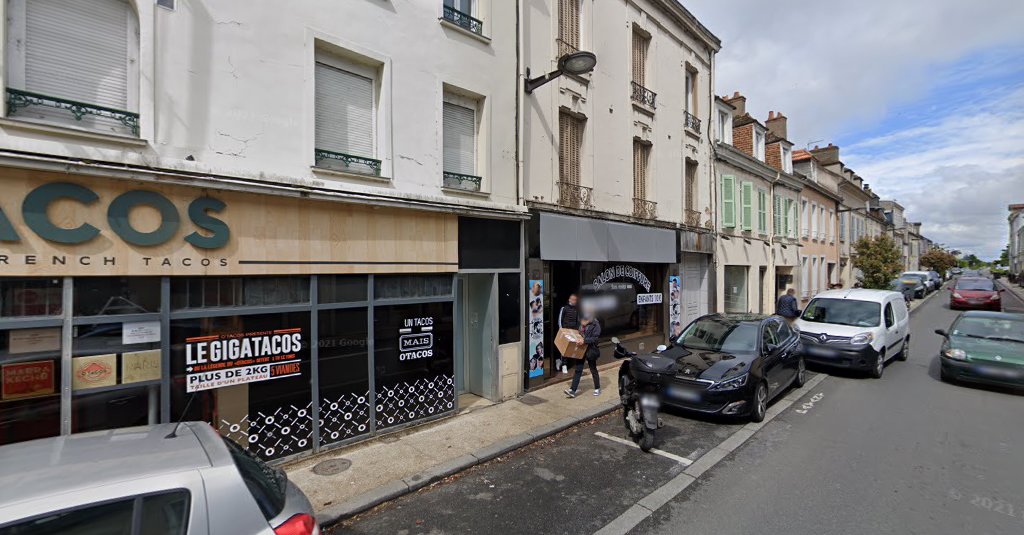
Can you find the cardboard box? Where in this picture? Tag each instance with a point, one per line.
(565, 342)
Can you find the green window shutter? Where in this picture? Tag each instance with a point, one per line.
(762, 212)
(788, 221)
(747, 200)
(728, 201)
(777, 215)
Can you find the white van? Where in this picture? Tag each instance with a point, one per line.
(856, 329)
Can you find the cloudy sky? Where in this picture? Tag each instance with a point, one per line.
(924, 97)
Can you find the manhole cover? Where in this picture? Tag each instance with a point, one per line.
(331, 467)
(531, 400)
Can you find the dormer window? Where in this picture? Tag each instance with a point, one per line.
(759, 144)
(787, 159)
(814, 172)
(724, 127)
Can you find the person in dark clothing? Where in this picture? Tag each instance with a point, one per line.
(569, 318)
(787, 306)
(591, 333)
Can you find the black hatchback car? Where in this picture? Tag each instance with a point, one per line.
(734, 364)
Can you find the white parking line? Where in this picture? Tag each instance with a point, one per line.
(681, 460)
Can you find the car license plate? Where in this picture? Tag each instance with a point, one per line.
(998, 372)
(817, 351)
(683, 394)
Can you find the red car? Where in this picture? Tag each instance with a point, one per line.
(976, 293)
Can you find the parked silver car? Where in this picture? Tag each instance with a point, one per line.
(146, 480)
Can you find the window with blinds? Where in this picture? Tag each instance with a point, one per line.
(345, 119)
(459, 139)
(691, 185)
(570, 134)
(640, 43)
(568, 26)
(82, 52)
(641, 155)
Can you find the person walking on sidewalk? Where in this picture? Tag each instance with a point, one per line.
(568, 318)
(591, 333)
(787, 307)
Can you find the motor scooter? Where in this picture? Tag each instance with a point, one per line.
(641, 381)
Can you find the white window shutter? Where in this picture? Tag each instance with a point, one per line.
(345, 112)
(459, 139)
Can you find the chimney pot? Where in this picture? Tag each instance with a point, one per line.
(735, 94)
(815, 147)
(771, 115)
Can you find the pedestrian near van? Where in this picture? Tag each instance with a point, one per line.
(569, 318)
(787, 307)
(591, 333)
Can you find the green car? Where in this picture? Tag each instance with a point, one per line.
(984, 347)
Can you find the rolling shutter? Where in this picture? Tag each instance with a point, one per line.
(639, 58)
(459, 139)
(344, 112)
(79, 50)
(728, 201)
(570, 137)
(747, 201)
(640, 154)
(569, 22)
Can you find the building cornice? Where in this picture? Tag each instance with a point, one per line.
(682, 17)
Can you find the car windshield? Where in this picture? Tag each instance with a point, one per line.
(976, 284)
(720, 334)
(914, 276)
(1008, 329)
(843, 312)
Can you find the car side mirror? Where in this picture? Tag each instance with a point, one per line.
(771, 348)
(942, 333)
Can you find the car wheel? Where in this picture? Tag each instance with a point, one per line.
(879, 368)
(904, 353)
(801, 374)
(760, 403)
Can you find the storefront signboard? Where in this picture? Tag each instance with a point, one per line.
(27, 379)
(140, 332)
(34, 340)
(675, 288)
(620, 272)
(535, 349)
(93, 371)
(648, 299)
(138, 366)
(239, 358)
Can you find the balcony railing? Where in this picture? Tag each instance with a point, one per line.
(642, 95)
(460, 181)
(692, 218)
(575, 196)
(18, 99)
(463, 20)
(565, 48)
(692, 122)
(348, 162)
(644, 209)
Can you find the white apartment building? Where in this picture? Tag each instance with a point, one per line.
(341, 172)
(1016, 243)
(617, 162)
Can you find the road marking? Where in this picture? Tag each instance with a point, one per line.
(679, 459)
(637, 513)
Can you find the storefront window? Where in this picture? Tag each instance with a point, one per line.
(102, 296)
(30, 386)
(344, 374)
(341, 288)
(410, 287)
(250, 376)
(213, 292)
(509, 330)
(30, 297)
(414, 369)
(631, 297)
(110, 409)
(735, 288)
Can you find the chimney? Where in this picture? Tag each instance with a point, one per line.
(776, 124)
(828, 155)
(739, 102)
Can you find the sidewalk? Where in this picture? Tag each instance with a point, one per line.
(392, 465)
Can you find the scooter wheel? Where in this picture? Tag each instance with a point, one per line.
(647, 440)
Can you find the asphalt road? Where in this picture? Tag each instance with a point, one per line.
(903, 454)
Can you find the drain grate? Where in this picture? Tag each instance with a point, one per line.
(531, 400)
(331, 467)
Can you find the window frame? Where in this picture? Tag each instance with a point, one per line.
(728, 185)
(371, 72)
(762, 211)
(463, 101)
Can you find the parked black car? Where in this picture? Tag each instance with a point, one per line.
(734, 364)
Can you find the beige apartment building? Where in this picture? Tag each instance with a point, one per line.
(819, 202)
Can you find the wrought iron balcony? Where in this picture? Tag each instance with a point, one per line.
(460, 181)
(692, 218)
(575, 196)
(463, 20)
(644, 209)
(18, 99)
(692, 122)
(644, 96)
(349, 162)
(565, 48)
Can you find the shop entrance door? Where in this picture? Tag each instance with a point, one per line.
(478, 301)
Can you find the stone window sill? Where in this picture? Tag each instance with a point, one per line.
(457, 191)
(68, 131)
(353, 176)
(460, 29)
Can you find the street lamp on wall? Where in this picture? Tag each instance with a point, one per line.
(574, 63)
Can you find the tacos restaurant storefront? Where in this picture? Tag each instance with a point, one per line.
(289, 324)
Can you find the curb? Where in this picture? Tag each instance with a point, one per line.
(397, 488)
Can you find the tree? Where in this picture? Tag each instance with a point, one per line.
(879, 259)
(1004, 257)
(971, 262)
(938, 260)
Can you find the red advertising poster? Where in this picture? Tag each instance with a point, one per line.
(238, 358)
(27, 379)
